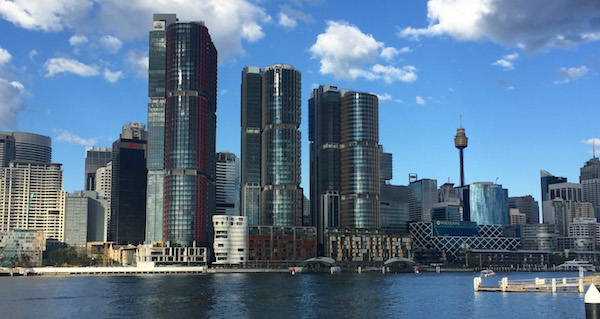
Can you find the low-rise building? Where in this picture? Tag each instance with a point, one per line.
(21, 248)
(281, 244)
(157, 255)
(231, 240)
(538, 237)
(365, 245)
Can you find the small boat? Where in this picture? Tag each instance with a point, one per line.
(574, 265)
(487, 273)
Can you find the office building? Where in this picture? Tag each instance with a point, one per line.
(448, 206)
(516, 217)
(20, 247)
(128, 187)
(231, 240)
(359, 160)
(228, 184)
(28, 147)
(157, 92)
(95, 157)
(281, 196)
(526, 205)
(394, 208)
(271, 245)
(590, 183)
(385, 166)
(547, 179)
(86, 218)
(426, 194)
(564, 211)
(149, 255)
(538, 237)
(32, 198)
(251, 123)
(7, 148)
(586, 227)
(365, 245)
(190, 131)
(488, 204)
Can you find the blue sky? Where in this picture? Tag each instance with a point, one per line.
(523, 75)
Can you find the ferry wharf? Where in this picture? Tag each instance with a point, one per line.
(548, 285)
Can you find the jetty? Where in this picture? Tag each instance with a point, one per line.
(548, 285)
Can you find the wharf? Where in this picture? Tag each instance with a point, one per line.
(115, 271)
(548, 285)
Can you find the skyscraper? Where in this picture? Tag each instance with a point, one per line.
(30, 147)
(488, 204)
(228, 184)
(128, 188)
(547, 179)
(590, 183)
(426, 194)
(359, 157)
(95, 157)
(7, 148)
(190, 130)
(528, 206)
(281, 196)
(157, 92)
(251, 120)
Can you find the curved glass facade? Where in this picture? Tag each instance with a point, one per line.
(190, 127)
(488, 204)
(281, 198)
(360, 160)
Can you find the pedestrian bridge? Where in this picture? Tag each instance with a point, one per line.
(322, 261)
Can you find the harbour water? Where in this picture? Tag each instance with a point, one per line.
(366, 295)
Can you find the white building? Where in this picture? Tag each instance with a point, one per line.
(155, 255)
(32, 198)
(231, 240)
(516, 217)
(228, 184)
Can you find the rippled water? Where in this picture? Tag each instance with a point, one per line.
(367, 295)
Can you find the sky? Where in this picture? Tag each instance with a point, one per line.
(523, 75)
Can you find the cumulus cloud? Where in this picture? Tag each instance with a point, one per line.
(47, 15)
(508, 61)
(287, 21)
(137, 61)
(531, 25)
(11, 102)
(389, 53)
(390, 74)
(567, 75)
(110, 43)
(592, 141)
(78, 39)
(32, 54)
(72, 138)
(111, 76)
(252, 32)
(384, 97)
(419, 100)
(63, 65)
(5, 57)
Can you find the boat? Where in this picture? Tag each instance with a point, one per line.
(487, 273)
(574, 265)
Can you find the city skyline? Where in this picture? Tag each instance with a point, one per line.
(63, 74)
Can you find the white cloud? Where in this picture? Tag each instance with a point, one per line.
(71, 138)
(384, 97)
(287, 21)
(5, 57)
(111, 76)
(11, 102)
(391, 74)
(531, 25)
(508, 61)
(32, 54)
(78, 39)
(405, 50)
(419, 100)
(252, 32)
(388, 53)
(64, 65)
(592, 141)
(567, 75)
(110, 44)
(138, 62)
(47, 15)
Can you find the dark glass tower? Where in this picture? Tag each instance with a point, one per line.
(281, 197)
(359, 160)
(157, 91)
(190, 129)
(251, 143)
(95, 157)
(547, 179)
(324, 136)
(128, 191)
(7, 148)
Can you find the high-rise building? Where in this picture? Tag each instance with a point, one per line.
(426, 194)
(7, 148)
(128, 187)
(460, 142)
(251, 119)
(359, 158)
(590, 183)
(394, 208)
(95, 157)
(547, 179)
(190, 131)
(32, 198)
(228, 184)
(157, 92)
(516, 217)
(281, 196)
(526, 205)
(448, 206)
(30, 147)
(85, 218)
(385, 166)
(488, 204)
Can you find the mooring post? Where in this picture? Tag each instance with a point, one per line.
(592, 303)
(580, 289)
(476, 283)
(504, 284)
(359, 270)
(553, 284)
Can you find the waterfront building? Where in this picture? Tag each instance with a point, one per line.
(227, 184)
(32, 198)
(28, 147)
(157, 92)
(528, 206)
(95, 157)
(128, 186)
(394, 208)
(359, 158)
(579, 243)
(231, 240)
(7, 148)
(590, 183)
(516, 217)
(487, 204)
(190, 132)
(588, 227)
(563, 211)
(426, 194)
(508, 258)
(165, 255)
(365, 245)
(281, 196)
(270, 245)
(538, 237)
(251, 123)
(19, 247)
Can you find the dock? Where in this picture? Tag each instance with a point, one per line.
(547, 285)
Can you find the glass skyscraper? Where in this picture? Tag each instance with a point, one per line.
(360, 184)
(228, 184)
(281, 196)
(590, 183)
(190, 129)
(95, 157)
(488, 204)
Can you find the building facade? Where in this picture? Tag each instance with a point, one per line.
(7, 148)
(426, 194)
(21, 248)
(365, 245)
(231, 240)
(281, 244)
(95, 157)
(28, 147)
(526, 205)
(488, 204)
(394, 208)
(228, 184)
(590, 183)
(538, 237)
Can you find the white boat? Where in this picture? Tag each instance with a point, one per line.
(487, 273)
(574, 265)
